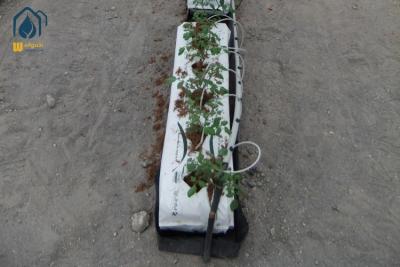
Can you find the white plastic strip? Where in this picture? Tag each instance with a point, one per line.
(192, 5)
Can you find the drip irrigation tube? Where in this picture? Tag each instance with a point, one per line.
(242, 64)
(235, 23)
(251, 165)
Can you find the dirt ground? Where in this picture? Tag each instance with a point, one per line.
(322, 99)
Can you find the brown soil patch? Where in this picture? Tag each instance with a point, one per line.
(196, 96)
(199, 66)
(195, 137)
(153, 157)
(152, 60)
(165, 57)
(180, 106)
(161, 80)
(182, 94)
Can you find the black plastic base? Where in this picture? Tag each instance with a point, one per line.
(223, 245)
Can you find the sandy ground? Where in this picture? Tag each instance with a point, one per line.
(322, 98)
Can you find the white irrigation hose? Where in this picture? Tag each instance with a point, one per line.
(251, 165)
(226, 17)
(201, 140)
(230, 95)
(235, 23)
(243, 65)
(234, 72)
(235, 48)
(236, 51)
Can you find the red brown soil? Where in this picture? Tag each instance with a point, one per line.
(181, 73)
(178, 71)
(165, 57)
(180, 106)
(196, 96)
(161, 79)
(195, 138)
(197, 28)
(152, 60)
(157, 126)
(153, 157)
(182, 94)
(199, 66)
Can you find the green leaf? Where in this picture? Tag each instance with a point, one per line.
(192, 191)
(202, 184)
(234, 204)
(181, 51)
(223, 151)
(170, 80)
(209, 131)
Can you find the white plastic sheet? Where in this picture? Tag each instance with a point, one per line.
(192, 5)
(176, 210)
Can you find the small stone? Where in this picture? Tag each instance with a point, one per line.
(140, 221)
(145, 164)
(51, 101)
(272, 231)
(66, 73)
(316, 262)
(115, 234)
(176, 261)
(113, 8)
(247, 255)
(54, 145)
(355, 6)
(250, 183)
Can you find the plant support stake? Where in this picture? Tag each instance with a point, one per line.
(211, 220)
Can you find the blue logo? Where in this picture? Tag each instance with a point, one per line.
(27, 23)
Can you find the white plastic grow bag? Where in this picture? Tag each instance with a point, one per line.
(176, 210)
(192, 5)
